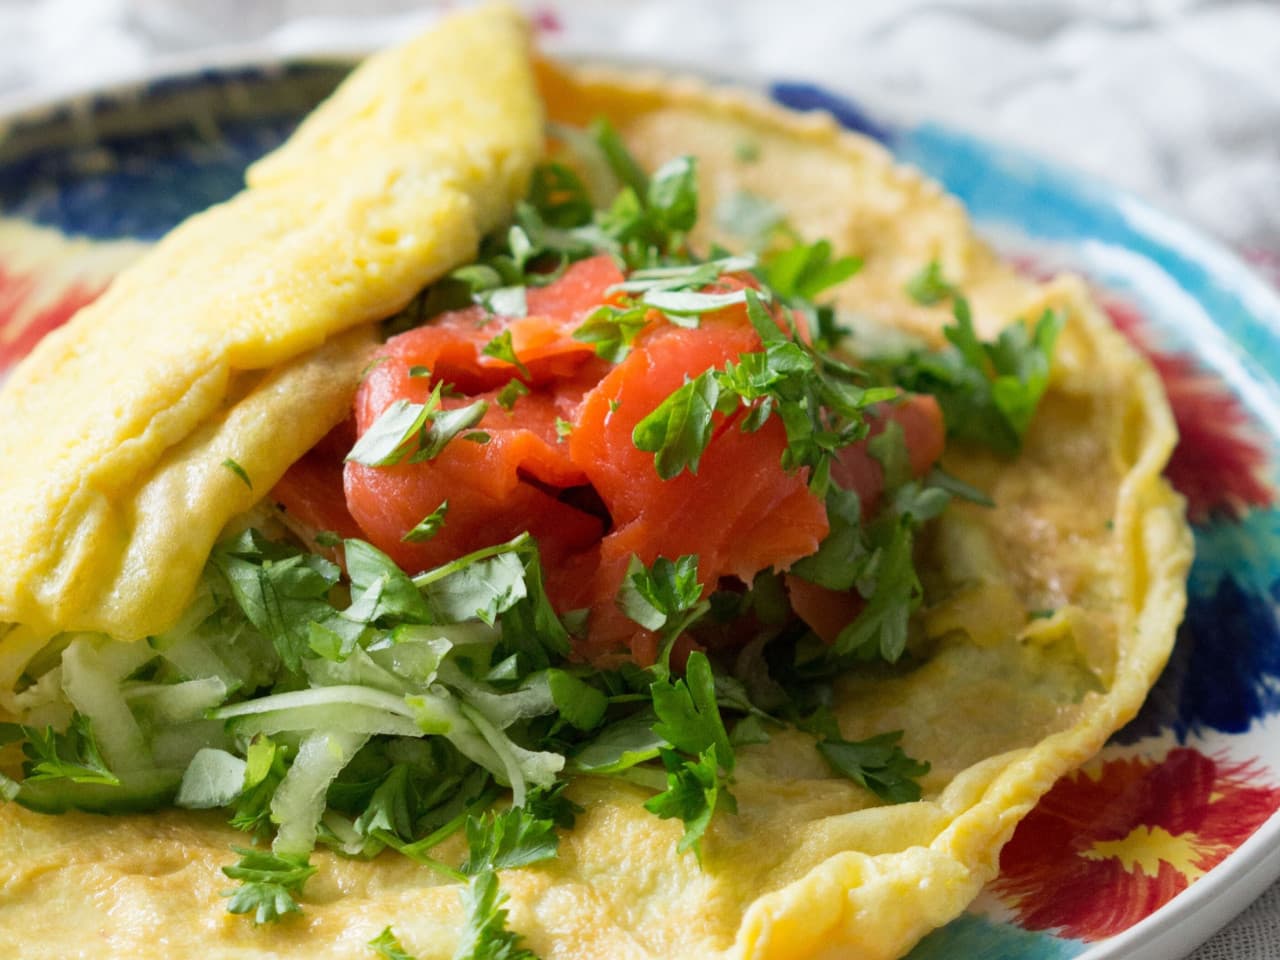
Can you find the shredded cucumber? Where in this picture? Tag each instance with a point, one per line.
(119, 660)
(299, 801)
(335, 697)
(176, 702)
(93, 688)
(352, 718)
(213, 779)
(174, 745)
(531, 699)
(520, 766)
(194, 658)
(359, 669)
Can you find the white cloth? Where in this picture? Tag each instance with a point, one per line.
(1178, 100)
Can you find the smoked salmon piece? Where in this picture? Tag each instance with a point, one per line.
(558, 458)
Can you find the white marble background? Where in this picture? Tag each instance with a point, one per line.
(1178, 100)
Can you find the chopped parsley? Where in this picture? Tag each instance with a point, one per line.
(269, 884)
(388, 946)
(988, 390)
(428, 526)
(239, 471)
(484, 933)
(878, 764)
(73, 755)
(414, 431)
(501, 348)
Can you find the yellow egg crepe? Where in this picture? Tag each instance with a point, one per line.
(242, 336)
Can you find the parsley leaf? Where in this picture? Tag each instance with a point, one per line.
(672, 196)
(516, 837)
(688, 714)
(480, 585)
(878, 764)
(239, 471)
(531, 629)
(485, 935)
(502, 348)
(929, 286)
(806, 270)
(403, 424)
(613, 329)
(392, 807)
(268, 884)
(893, 592)
(988, 390)
(264, 769)
(693, 790)
(581, 704)
(73, 755)
(388, 946)
(513, 391)
(431, 524)
(677, 431)
(380, 590)
(657, 595)
(280, 590)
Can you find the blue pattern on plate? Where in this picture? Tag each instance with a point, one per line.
(808, 96)
(1225, 669)
(139, 186)
(970, 937)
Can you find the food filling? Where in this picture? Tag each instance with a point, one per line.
(605, 506)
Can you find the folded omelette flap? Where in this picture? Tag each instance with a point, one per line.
(388, 186)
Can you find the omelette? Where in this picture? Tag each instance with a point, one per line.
(566, 512)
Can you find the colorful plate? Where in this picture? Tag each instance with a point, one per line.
(1173, 828)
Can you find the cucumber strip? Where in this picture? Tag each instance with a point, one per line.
(193, 658)
(440, 713)
(175, 745)
(95, 693)
(335, 697)
(499, 743)
(138, 791)
(531, 699)
(176, 702)
(358, 669)
(120, 659)
(213, 779)
(299, 801)
(346, 837)
(347, 718)
(43, 704)
(416, 661)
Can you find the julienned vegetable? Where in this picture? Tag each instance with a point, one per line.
(582, 471)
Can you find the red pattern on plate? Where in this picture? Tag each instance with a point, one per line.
(1220, 463)
(21, 330)
(1109, 845)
